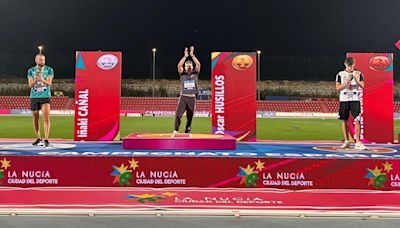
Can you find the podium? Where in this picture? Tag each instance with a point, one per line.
(185, 141)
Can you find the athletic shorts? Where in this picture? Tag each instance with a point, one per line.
(36, 103)
(347, 107)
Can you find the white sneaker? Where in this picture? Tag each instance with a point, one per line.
(345, 145)
(360, 146)
(175, 132)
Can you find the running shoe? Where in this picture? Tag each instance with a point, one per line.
(345, 145)
(38, 142)
(360, 146)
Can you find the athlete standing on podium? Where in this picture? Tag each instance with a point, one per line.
(187, 100)
(40, 79)
(349, 82)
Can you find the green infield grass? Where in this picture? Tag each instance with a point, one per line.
(272, 128)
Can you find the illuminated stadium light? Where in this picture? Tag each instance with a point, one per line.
(40, 49)
(258, 74)
(154, 50)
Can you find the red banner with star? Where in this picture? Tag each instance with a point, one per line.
(233, 82)
(284, 173)
(97, 95)
(376, 99)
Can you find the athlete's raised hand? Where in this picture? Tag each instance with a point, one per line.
(192, 51)
(186, 52)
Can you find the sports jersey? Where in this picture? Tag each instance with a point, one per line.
(189, 83)
(40, 90)
(351, 92)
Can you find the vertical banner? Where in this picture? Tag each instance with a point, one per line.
(377, 103)
(397, 44)
(97, 95)
(233, 81)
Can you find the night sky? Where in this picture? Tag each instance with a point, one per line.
(301, 30)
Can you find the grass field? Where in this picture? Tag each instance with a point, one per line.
(273, 128)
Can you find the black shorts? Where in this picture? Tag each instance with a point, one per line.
(346, 107)
(36, 103)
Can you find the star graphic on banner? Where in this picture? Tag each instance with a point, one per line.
(133, 164)
(123, 169)
(5, 163)
(376, 172)
(369, 174)
(143, 196)
(249, 170)
(259, 165)
(251, 180)
(371, 181)
(119, 171)
(380, 180)
(168, 194)
(116, 179)
(245, 172)
(243, 180)
(387, 167)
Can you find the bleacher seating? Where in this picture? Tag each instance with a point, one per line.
(158, 103)
(290, 106)
(169, 104)
(23, 102)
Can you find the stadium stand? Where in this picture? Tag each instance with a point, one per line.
(22, 102)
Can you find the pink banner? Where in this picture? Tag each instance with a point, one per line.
(165, 199)
(234, 94)
(5, 111)
(97, 96)
(377, 103)
(397, 44)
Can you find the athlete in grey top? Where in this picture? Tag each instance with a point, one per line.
(187, 99)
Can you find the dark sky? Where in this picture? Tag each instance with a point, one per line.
(306, 29)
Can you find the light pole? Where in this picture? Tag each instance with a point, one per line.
(154, 50)
(40, 49)
(258, 73)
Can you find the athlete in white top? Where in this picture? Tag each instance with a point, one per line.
(349, 83)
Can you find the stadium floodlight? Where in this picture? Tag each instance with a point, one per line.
(154, 50)
(40, 49)
(258, 73)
